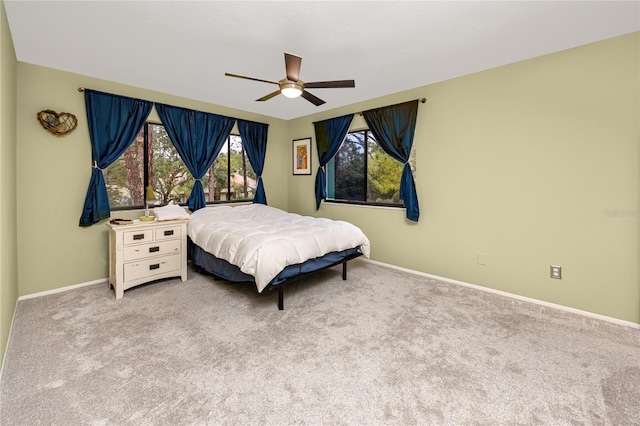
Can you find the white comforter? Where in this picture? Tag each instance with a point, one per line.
(263, 240)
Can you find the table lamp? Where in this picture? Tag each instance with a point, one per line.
(149, 197)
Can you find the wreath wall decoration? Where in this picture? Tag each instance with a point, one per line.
(60, 124)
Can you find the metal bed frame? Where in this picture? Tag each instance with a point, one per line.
(203, 261)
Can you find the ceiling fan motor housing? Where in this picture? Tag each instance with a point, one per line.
(291, 89)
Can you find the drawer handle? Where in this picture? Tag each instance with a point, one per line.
(138, 237)
(154, 249)
(152, 267)
(168, 232)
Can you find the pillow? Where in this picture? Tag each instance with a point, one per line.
(170, 212)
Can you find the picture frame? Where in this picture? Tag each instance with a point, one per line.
(301, 156)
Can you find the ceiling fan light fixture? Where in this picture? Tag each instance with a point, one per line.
(291, 89)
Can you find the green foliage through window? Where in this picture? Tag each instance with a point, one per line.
(152, 159)
(373, 178)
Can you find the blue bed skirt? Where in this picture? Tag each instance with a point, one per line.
(225, 270)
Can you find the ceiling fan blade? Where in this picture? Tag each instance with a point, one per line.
(228, 74)
(330, 84)
(269, 96)
(292, 63)
(311, 98)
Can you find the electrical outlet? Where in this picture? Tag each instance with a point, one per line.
(556, 272)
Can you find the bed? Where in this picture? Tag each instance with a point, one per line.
(268, 246)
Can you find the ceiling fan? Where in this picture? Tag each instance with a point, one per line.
(292, 86)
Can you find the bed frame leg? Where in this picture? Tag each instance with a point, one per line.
(344, 271)
(281, 297)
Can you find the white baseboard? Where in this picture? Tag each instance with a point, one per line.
(63, 289)
(513, 296)
(42, 293)
(411, 271)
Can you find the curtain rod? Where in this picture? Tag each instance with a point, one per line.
(421, 100)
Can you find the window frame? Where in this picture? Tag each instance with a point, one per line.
(145, 129)
(366, 180)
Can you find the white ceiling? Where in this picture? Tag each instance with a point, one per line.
(185, 47)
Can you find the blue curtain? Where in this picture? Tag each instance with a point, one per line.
(254, 140)
(114, 122)
(329, 136)
(394, 127)
(198, 137)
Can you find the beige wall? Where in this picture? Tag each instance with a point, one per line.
(532, 164)
(8, 235)
(53, 176)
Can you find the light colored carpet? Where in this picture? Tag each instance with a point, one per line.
(383, 347)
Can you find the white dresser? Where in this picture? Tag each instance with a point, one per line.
(146, 251)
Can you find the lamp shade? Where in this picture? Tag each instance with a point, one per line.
(150, 196)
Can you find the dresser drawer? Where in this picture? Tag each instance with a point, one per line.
(139, 236)
(168, 232)
(151, 267)
(141, 251)
(146, 251)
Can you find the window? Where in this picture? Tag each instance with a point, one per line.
(354, 177)
(231, 177)
(152, 159)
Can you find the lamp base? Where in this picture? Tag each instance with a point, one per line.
(147, 218)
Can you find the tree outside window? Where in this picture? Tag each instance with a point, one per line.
(152, 159)
(373, 178)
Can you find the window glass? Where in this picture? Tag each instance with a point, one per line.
(124, 177)
(383, 175)
(231, 177)
(361, 172)
(350, 169)
(217, 178)
(243, 178)
(169, 176)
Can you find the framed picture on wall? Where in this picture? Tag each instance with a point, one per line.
(302, 156)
